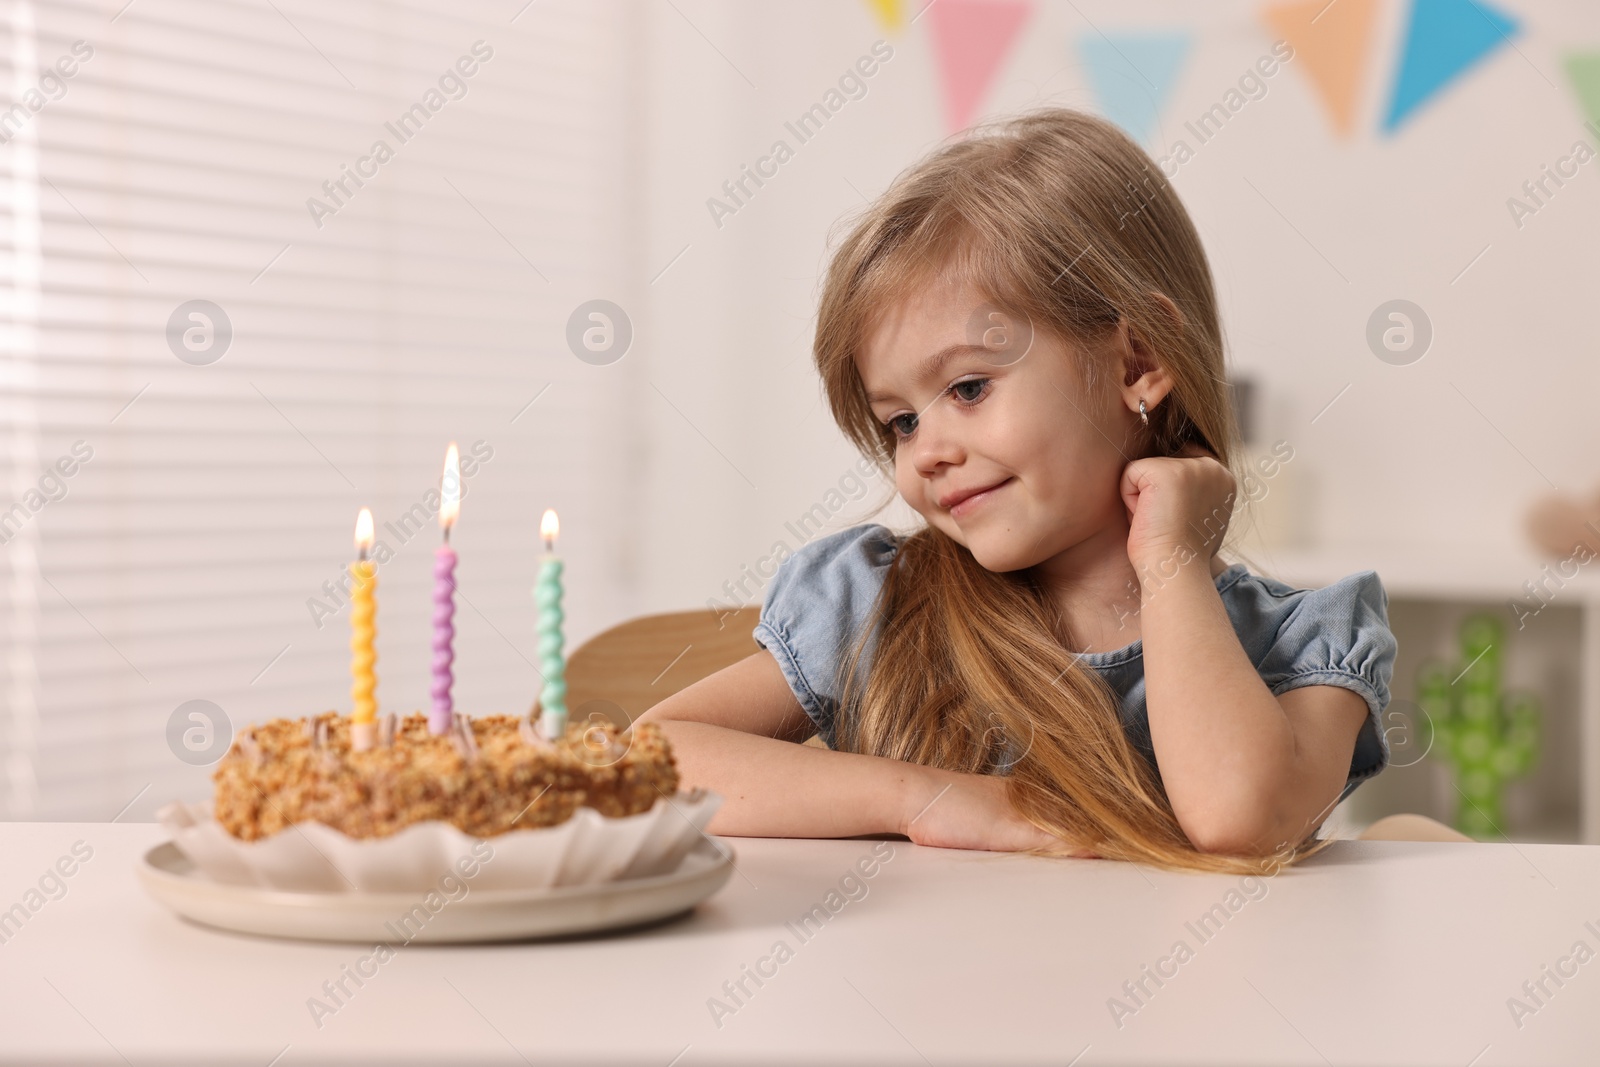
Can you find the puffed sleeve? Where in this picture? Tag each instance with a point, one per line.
(1339, 635)
(815, 609)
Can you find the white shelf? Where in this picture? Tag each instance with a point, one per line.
(1434, 573)
(1454, 573)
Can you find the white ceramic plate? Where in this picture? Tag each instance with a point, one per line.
(398, 918)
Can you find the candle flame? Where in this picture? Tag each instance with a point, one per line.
(364, 531)
(450, 488)
(549, 527)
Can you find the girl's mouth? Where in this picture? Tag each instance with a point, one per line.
(966, 504)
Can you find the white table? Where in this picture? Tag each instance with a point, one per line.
(1376, 952)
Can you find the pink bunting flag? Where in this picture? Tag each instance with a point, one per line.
(971, 38)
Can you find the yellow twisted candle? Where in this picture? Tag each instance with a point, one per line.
(363, 628)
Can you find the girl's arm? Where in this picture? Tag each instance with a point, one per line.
(1245, 771)
(737, 733)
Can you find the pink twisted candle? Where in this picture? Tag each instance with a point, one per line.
(444, 634)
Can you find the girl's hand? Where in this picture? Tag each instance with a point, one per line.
(947, 809)
(1178, 506)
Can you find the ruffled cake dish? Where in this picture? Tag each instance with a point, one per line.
(295, 808)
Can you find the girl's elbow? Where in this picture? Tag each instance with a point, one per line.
(1226, 844)
(653, 714)
(661, 713)
(1235, 835)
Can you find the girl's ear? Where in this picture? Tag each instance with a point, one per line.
(1143, 376)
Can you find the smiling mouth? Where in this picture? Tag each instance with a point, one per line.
(964, 504)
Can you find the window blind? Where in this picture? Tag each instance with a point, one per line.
(172, 517)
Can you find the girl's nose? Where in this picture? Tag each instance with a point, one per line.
(935, 444)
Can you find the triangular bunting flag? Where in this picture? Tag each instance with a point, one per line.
(971, 38)
(891, 13)
(1133, 75)
(1330, 43)
(1443, 39)
(1583, 70)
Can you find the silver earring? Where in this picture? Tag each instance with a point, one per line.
(1142, 415)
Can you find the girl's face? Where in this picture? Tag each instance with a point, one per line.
(1000, 442)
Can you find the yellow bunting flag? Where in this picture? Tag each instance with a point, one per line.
(891, 13)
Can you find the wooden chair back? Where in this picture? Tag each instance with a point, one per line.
(624, 671)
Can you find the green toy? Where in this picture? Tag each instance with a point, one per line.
(1488, 737)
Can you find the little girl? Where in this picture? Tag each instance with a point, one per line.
(1023, 330)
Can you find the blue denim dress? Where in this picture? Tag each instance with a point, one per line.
(823, 594)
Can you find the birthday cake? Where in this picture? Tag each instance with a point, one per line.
(486, 776)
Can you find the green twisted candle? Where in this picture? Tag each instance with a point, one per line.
(547, 597)
(1489, 737)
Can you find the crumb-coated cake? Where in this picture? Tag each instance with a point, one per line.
(486, 776)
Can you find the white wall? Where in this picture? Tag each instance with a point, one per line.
(1401, 460)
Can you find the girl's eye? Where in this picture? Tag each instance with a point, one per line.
(903, 425)
(969, 392)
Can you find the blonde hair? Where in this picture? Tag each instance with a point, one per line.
(1057, 216)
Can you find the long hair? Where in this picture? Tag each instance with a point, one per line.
(1059, 217)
